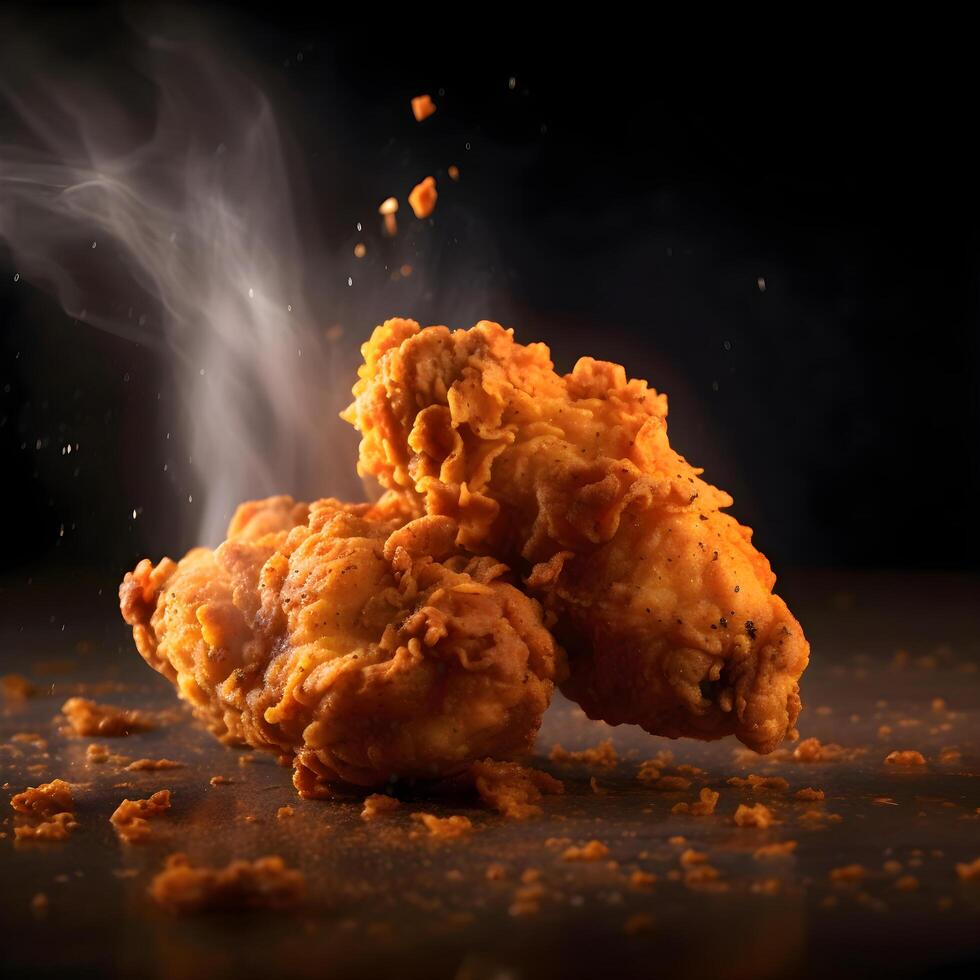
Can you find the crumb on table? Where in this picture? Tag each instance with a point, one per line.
(446, 828)
(131, 819)
(603, 755)
(754, 816)
(593, 851)
(511, 789)
(377, 805)
(45, 800)
(153, 765)
(905, 757)
(265, 883)
(86, 717)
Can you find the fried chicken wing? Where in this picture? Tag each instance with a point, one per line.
(664, 606)
(355, 640)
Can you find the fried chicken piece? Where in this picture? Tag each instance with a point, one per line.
(664, 606)
(359, 646)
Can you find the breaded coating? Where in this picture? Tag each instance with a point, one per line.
(665, 607)
(361, 647)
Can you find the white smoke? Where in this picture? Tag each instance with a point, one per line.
(182, 236)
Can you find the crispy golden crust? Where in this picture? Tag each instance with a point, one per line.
(665, 607)
(361, 646)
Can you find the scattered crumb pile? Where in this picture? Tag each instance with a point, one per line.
(262, 884)
(46, 812)
(602, 755)
(131, 819)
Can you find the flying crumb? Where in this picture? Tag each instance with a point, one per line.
(453, 172)
(938, 705)
(950, 755)
(88, 718)
(691, 857)
(809, 794)
(635, 924)
(495, 872)
(445, 828)
(423, 197)
(360, 250)
(703, 808)
(677, 841)
(512, 789)
(884, 731)
(602, 755)
(906, 757)
(265, 883)
(153, 765)
(422, 107)
(593, 851)
(754, 816)
(377, 805)
(849, 873)
(907, 883)
(131, 818)
(388, 209)
(780, 849)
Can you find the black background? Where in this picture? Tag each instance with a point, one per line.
(621, 200)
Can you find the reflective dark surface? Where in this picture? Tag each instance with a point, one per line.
(384, 900)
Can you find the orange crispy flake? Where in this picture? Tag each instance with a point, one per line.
(131, 818)
(446, 828)
(969, 870)
(265, 883)
(422, 107)
(849, 873)
(703, 808)
(423, 198)
(377, 805)
(593, 851)
(285, 812)
(44, 800)
(754, 816)
(755, 782)
(153, 765)
(812, 750)
(603, 755)
(819, 817)
(360, 250)
(89, 718)
(511, 789)
(809, 794)
(220, 781)
(906, 757)
(453, 172)
(777, 850)
(59, 827)
(15, 687)
(950, 755)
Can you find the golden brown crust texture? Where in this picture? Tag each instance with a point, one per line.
(664, 605)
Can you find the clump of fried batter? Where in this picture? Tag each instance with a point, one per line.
(131, 819)
(89, 718)
(377, 805)
(781, 849)
(664, 605)
(511, 789)
(809, 794)
(446, 828)
(358, 642)
(265, 883)
(594, 850)
(44, 800)
(16, 687)
(603, 755)
(57, 828)
(153, 765)
(704, 807)
(754, 816)
(756, 782)
(907, 757)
